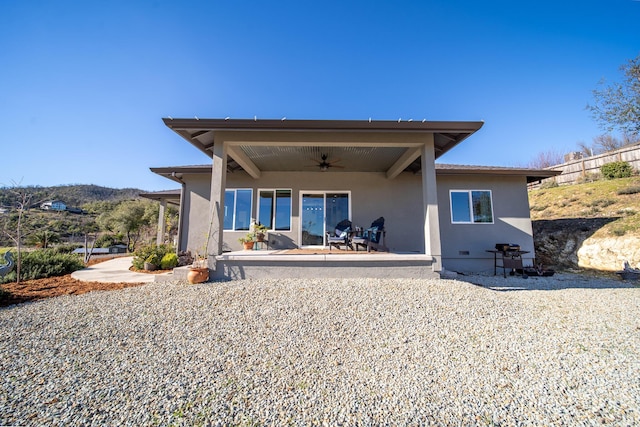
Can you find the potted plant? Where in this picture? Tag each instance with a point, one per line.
(247, 241)
(151, 263)
(260, 231)
(199, 271)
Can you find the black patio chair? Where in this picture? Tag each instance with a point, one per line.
(372, 237)
(340, 236)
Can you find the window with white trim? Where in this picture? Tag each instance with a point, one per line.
(274, 209)
(237, 209)
(471, 206)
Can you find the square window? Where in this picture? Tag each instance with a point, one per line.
(237, 209)
(274, 209)
(471, 207)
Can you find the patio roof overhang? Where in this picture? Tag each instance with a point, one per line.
(532, 175)
(172, 197)
(299, 145)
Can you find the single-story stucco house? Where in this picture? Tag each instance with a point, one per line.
(301, 177)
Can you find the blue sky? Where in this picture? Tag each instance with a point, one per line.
(84, 84)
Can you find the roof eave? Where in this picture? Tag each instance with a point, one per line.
(532, 175)
(463, 129)
(170, 196)
(324, 125)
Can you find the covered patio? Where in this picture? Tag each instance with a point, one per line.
(317, 160)
(300, 178)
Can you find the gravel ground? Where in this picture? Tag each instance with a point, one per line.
(541, 351)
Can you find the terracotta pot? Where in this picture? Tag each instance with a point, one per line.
(248, 246)
(198, 275)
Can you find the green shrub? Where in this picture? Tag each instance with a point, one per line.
(169, 261)
(601, 202)
(626, 211)
(540, 208)
(44, 263)
(634, 189)
(618, 232)
(588, 177)
(150, 252)
(141, 255)
(549, 184)
(616, 170)
(153, 259)
(594, 210)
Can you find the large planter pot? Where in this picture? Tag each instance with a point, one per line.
(248, 246)
(198, 275)
(149, 266)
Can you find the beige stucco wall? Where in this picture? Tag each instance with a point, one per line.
(512, 223)
(196, 212)
(373, 195)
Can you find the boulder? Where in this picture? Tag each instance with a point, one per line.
(609, 253)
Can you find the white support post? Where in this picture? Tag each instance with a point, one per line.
(180, 219)
(432, 245)
(161, 223)
(216, 201)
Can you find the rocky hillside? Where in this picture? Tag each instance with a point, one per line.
(593, 225)
(72, 195)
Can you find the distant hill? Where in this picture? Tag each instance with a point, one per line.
(71, 195)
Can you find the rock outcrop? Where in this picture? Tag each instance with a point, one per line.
(569, 244)
(609, 253)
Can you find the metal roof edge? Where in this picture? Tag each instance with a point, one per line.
(323, 125)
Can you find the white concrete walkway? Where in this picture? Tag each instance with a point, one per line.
(113, 271)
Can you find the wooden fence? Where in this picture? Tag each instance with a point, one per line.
(575, 170)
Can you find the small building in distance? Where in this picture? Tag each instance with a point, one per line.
(54, 205)
(115, 249)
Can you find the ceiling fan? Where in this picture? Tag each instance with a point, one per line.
(324, 164)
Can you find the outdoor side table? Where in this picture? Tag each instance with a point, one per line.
(259, 245)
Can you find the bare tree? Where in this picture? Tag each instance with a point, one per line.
(630, 139)
(607, 142)
(14, 225)
(22, 203)
(90, 230)
(585, 148)
(546, 159)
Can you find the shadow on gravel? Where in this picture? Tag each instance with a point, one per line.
(559, 281)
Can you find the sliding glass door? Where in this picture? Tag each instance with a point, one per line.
(320, 212)
(312, 220)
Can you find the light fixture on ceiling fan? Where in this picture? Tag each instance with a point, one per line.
(324, 164)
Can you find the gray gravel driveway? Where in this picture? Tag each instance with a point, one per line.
(327, 352)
